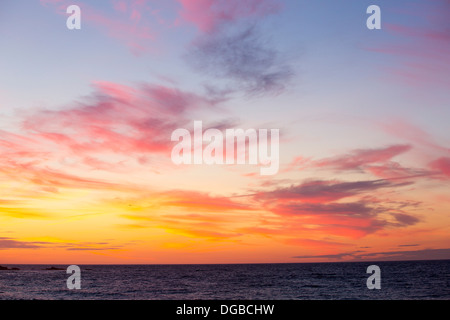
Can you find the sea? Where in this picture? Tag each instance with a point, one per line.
(402, 280)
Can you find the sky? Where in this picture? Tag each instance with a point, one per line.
(86, 118)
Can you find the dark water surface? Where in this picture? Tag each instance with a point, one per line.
(399, 280)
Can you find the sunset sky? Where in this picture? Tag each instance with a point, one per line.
(86, 175)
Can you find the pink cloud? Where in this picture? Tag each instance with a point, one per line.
(208, 15)
(127, 26)
(298, 163)
(317, 244)
(432, 35)
(442, 165)
(115, 90)
(113, 130)
(351, 220)
(362, 157)
(49, 180)
(118, 119)
(130, 29)
(412, 133)
(394, 170)
(120, 6)
(375, 161)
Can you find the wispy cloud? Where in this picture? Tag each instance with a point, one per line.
(210, 15)
(424, 254)
(232, 48)
(320, 191)
(191, 200)
(133, 23)
(374, 161)
(11, 243)
(357, 159)
(241, 57)
(412, 133)
(187, 213)
(442, 165)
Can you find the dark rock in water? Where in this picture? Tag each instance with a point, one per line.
(53, 268)
(6, 268)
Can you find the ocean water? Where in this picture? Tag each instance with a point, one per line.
(304, 281)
